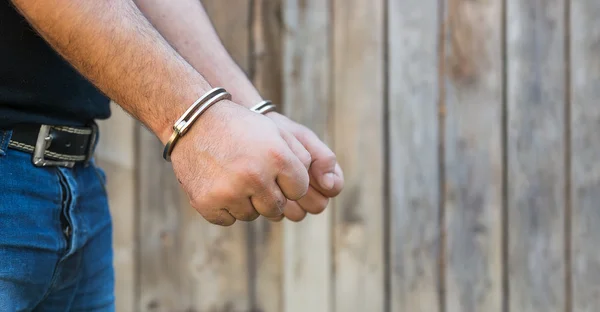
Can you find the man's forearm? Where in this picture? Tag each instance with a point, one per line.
(113, 45)
(186, 26)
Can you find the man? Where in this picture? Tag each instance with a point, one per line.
(60, 62)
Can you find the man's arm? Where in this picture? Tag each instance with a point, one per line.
(232, 163)
(114, 45)
(186, 26)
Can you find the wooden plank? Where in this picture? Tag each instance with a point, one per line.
(536, 150)
(413, 132)
(266, 245)
(358, 50)
(165, 282)
(187, 264)
(116, 155)
(585, 176)
(231, 19)
(473, 156)
(267, 53)
(307, 245)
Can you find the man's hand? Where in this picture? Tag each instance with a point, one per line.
(326, 176)
(185, 24)
(236, 164)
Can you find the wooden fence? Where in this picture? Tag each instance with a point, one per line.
(469, 132)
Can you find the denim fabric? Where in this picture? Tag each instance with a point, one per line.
(55, 236)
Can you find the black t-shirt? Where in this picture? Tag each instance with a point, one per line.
(36, 84)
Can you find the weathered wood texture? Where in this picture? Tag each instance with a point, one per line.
(265, 246)
(469, 147)
(307, 97)
(585, 147)
(358, 83)
(473, 156)
(536, 154)
(164, 274)
(413, 138)
(231, 19)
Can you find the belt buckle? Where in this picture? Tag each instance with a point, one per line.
(43, 142)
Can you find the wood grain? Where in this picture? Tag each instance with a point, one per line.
(307, 99)
(266, 245)
(585, 177)
(473, 156)
(231, 18)
(413, 132)
(115, 154)
(358, 75)
(165, 283)
(536, 150)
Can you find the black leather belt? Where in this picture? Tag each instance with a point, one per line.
(55, 145)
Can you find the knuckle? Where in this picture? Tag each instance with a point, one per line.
(298, 193)
(280, 202)
(330, 157)
(303, 133)
(297, 218)
(222, 219)
(252, 217)
(302, 186)
(276, 219)
(322, 205)
(275, 206)
(306, 159)
(249, 215)
(277, 156)
(252, 176)
(219, 219)
(319, 205)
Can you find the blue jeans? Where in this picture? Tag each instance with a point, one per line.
(55, 236)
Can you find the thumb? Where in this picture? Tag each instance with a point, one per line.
(323, 166)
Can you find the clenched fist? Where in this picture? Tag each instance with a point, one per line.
(235, 164)
(326, 176)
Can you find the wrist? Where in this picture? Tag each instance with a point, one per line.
(183, 114)
(272, 114)
(162, 124)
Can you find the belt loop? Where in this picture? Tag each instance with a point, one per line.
(93, 143)
(5, 136)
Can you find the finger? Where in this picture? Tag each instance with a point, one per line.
(339, 183)
(324, 161)
(313, 202)
(293, 177)
(276, 219)
(297, 148)
(243, 211)
(294, 212)
(269, 202)
(217, 216)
